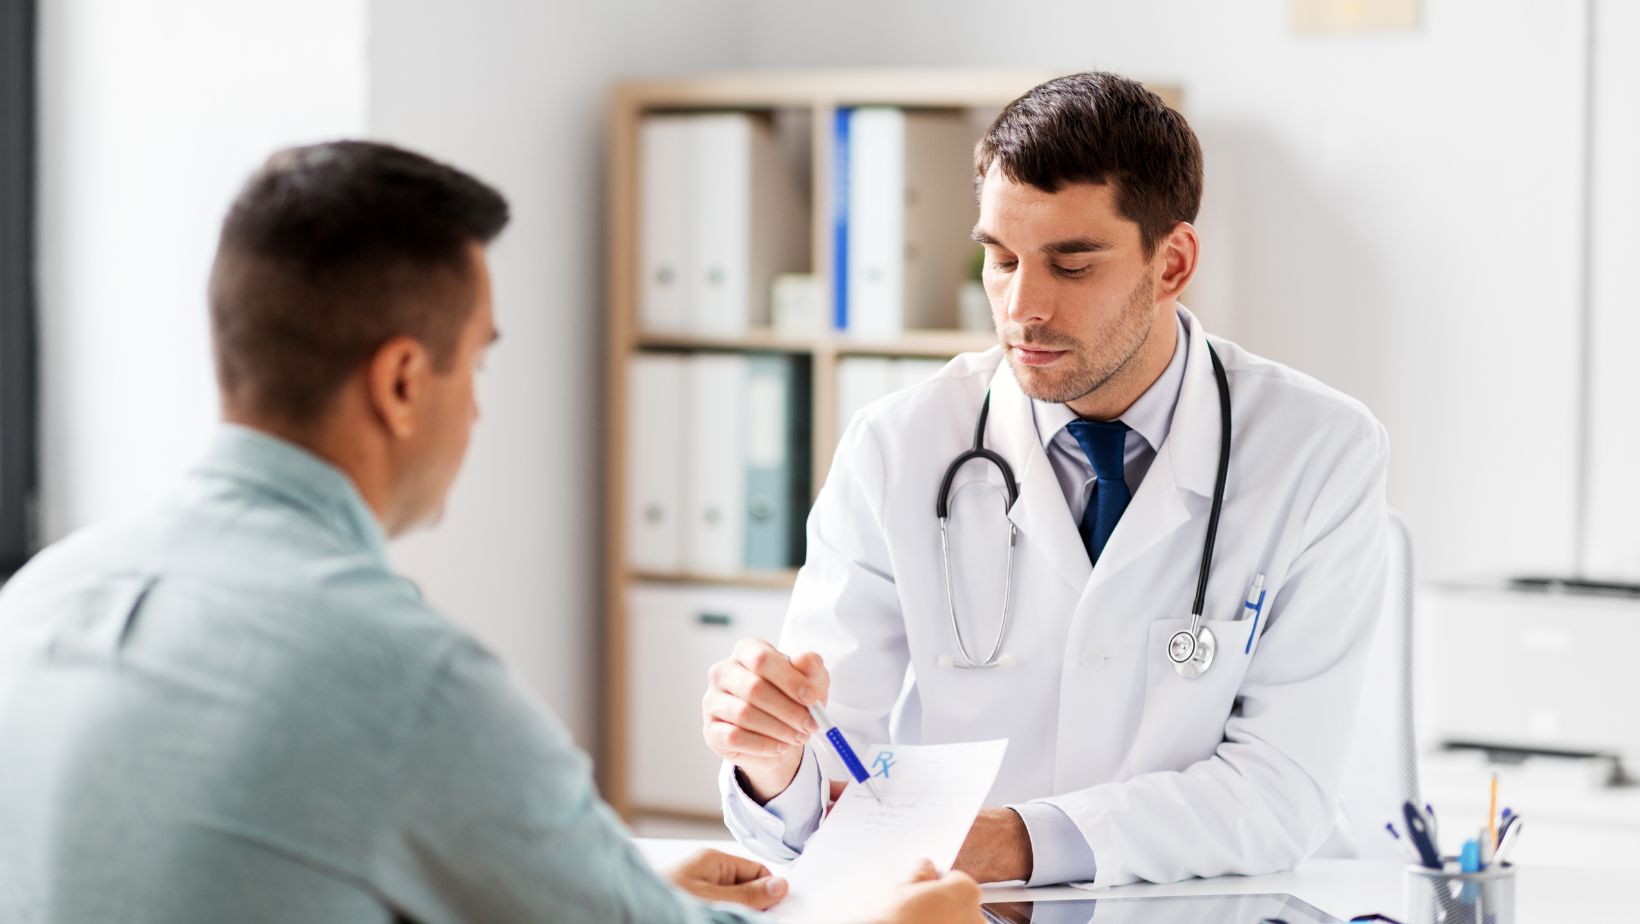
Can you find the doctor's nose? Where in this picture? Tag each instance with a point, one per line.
(1028, 298)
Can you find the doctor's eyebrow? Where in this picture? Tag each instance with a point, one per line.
(1068, 246)
(1075, 245)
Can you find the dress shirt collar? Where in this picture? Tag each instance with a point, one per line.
(296, 477)
(1151, 416)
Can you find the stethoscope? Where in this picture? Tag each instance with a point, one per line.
(1189, 650)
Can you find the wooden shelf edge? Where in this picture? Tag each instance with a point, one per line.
(926, 343)
(764, 580)
(662, 813)
(945, 88)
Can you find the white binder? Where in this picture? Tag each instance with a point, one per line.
(715, 486)
(675, 633)
(911, 208)
(663, 243)
(748, 221)
(654, 477)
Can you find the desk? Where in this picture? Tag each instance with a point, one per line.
(1543, 894)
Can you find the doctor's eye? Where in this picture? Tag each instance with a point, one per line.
(1073, 272)
(1004, 266)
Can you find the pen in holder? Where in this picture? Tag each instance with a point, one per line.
(1447, 896)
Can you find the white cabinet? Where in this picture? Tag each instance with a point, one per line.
(675, 632)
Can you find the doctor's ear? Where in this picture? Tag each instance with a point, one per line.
(1176, 253)
(396, 379)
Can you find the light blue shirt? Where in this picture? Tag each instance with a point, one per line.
(1059, 851)
(231, 709)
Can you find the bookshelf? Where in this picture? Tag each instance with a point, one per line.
(809, 100)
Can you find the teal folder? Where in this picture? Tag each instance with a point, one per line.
(777, 456)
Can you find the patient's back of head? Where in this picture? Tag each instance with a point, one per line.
(204, 704)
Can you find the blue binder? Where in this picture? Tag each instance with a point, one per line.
(839, 219)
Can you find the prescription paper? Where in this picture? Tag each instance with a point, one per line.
(864, 850)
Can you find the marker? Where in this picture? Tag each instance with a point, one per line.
(1470, 857)
(840, 745)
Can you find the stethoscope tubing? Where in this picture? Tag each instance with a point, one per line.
(980, 453)
(1219, 483)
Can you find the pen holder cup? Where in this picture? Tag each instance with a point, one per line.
(1442, 896)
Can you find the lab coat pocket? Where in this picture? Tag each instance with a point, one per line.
(1184, 717)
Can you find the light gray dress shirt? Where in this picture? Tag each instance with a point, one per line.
(1059, 852)
(231, 709)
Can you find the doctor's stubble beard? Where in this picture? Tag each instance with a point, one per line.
(1091, 364)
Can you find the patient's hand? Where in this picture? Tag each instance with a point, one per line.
(934, 899)
(713, 876)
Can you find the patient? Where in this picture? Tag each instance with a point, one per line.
(231, 709)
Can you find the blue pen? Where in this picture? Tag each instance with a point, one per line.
(835, 736)
(1405, 845)
(1254, 602)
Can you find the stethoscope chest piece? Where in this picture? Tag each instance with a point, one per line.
(1192, 653)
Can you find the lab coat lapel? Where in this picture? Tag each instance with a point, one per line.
(1041, 512)
(1179, 484)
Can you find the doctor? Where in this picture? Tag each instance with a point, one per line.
(1132, 755)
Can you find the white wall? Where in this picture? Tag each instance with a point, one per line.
(1395, 214)
(1612, 542)
(152, 113)
(516, 93)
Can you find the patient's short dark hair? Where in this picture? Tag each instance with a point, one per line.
(331, 250)
(1099, 127)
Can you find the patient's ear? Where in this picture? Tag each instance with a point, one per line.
(396, 382)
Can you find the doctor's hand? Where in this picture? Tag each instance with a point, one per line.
(756, 713)
(720, 877)
(933, 899)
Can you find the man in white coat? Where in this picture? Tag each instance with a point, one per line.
(1105, 404)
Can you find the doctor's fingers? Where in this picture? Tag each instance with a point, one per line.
(814, 667)
(725, 707)
(772, 665)
(734, 743)
(760, 694)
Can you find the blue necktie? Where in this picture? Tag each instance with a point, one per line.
(1105, 443)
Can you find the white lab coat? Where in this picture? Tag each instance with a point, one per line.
(1233, 772)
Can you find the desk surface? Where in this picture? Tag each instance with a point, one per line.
(1547, 894)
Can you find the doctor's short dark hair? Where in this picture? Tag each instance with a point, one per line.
(328, 252)
(1099, 127)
